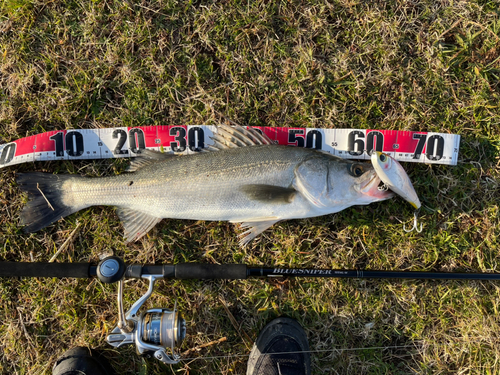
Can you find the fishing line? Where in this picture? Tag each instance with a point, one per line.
(421, 342)
(299, 352)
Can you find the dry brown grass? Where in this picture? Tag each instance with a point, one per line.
(416, 65)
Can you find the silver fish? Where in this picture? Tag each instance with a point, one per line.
(244, 179)
(394, 176)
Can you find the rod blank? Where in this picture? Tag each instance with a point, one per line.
(362, 274)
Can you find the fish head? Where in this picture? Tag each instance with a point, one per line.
(333, 184)
(393, 175)
(360, 183)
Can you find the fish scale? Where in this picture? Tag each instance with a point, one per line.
(182, 192)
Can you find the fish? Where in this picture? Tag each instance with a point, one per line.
(393, 175)
(243, 178)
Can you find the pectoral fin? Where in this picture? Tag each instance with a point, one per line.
(254, 227)
(269, 193)
(136, 223)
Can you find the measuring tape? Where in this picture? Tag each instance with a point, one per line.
(78, 144)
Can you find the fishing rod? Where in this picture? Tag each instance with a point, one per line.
(158, 332)
(215, 272)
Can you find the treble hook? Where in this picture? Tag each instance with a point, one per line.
(415, 224)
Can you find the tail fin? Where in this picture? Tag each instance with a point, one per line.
(46, 205)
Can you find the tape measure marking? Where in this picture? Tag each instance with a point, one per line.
(78, 144)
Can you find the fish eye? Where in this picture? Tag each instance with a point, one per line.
(357, 170)
(383, 158)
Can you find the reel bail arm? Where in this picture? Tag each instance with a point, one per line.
(153, 331)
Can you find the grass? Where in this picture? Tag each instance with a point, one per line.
(421, 65)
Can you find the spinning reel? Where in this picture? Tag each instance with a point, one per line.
(155, 332)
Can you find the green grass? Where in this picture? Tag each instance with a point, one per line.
(427, 66)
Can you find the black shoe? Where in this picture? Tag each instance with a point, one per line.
(82, 361)
(280, 349)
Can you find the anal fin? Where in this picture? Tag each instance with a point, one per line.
(254, 227)
(136, 224)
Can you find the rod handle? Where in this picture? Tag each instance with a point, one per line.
(209, 271)
(29, 269)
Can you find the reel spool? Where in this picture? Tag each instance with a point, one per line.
(159, 330)
(155, 332)
(163, 327)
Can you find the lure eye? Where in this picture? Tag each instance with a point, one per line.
(383, 158)
(357, 170)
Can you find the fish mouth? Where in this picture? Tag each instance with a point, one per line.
(371, 188)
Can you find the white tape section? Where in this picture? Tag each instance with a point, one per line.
(78, 144)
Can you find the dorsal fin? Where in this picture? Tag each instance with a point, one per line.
(147, 157)
(261, 137)
(229, 137)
